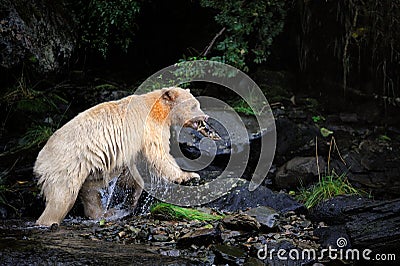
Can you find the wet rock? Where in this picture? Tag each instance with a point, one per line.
(199, 237)
(242, 222)
(193, 144)
(369, 224)
(333, 236)
(229, 254)
(266, 216)
(240, 198)
(299, 171)
(36, 33)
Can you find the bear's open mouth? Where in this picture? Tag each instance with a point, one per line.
(204, 128)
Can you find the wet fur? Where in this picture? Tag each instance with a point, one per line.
(84, 154)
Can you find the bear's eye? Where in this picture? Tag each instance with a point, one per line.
(194, 107)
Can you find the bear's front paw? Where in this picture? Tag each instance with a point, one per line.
(186, 176)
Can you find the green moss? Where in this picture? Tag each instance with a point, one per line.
(172, 212)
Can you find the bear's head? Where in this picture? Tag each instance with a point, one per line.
(179, 107)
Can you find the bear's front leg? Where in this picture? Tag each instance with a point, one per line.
(186, 176)
(170, 170)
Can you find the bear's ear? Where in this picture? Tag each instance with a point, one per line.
(188, 90)
(169, 95)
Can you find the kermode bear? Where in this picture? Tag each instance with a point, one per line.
(83, 156)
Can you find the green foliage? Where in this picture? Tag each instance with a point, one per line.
(36, 135)
(325, 132)
(318, 118)
(329, 186)
(107, 22)
(251, 27)
(25, 98)
(241, 106)
(172, 212)
(385, 138)
(33, 137)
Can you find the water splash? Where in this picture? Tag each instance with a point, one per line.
(107, 194)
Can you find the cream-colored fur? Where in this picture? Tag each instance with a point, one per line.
(90, 149)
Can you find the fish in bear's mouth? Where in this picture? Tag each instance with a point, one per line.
(203, 127)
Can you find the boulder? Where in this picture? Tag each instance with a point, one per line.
(374, 166)
(240, 198)
(299, 171)
(37, 33)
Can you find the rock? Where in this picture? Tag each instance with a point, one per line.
(369, 224)
(171, 253)
(161, 238)
(266, 216)
(199, 237)
(253, 262)
(294, 139)
(229, 254)
(373, 166)
(242, 222)
(233, 139)
(299, 171)
(333, 236)
(3, 212)
(240, 198)
(330, 211)
(36, 33)
(228, 235)
(348, 117)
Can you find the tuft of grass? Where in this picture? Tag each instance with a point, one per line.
(329, 186)
(172, 212)
(242, 107)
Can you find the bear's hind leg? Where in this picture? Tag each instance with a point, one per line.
(90, 196)
(58, 203)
